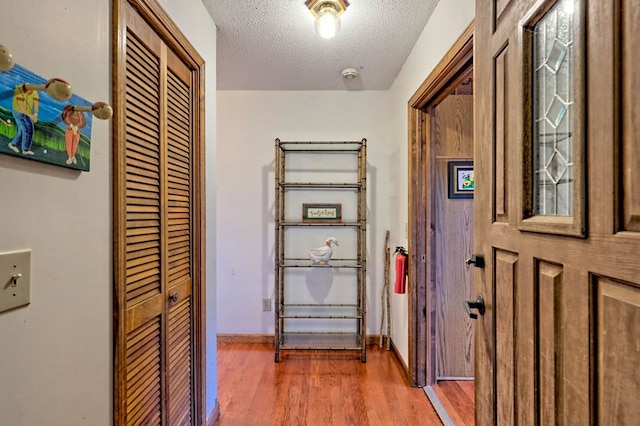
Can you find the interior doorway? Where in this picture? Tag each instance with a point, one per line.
(453, 230)
(441, 233)
(452, 216)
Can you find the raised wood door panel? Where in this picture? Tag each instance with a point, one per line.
(158, 252)
(558, 343)
(618, 308)
(452, 124)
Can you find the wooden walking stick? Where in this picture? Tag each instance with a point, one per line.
(385, 309)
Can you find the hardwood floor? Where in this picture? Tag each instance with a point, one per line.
(457, 398)
(316, 388)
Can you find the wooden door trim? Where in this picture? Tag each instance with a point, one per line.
(159, 20)
(450, 72)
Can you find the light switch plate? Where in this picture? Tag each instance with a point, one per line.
(15, 279)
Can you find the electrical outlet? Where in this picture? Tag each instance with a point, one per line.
(266, 304)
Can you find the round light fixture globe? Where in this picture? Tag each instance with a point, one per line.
(350, 73)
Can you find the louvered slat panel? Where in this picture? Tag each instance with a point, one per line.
(176, 163)
(140, 269)
(137, 75)
(178, 191)
(179, 333)
(143, 373)
(136, 229)
(143, 172)
(142, 258)
(178, 250)
(136, 126)
(140, 148)
(143, 223)
(179, 220)
(178, 180)
(142, 106)
(180, 362)
(144, 386)
(140, 252)
(178, 245)
(179, 136)
(136, 185)
(143, 160)
(143, 98)
(179, 149)
(178, 167)
(147, 240)
(142, 114)
(181, 253)
(177, 186)
(178, 128)
(140, 56)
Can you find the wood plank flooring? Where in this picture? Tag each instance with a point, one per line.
(310, 388)
(457, 398)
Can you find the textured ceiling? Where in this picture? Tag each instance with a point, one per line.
(273, 45)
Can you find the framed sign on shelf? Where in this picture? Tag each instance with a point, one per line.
(314, 212)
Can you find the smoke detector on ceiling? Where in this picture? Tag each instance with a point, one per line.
(350, 73)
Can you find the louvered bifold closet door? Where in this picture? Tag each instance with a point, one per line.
(158, 220)
(179, 274)
(144, 295)
(159, 305)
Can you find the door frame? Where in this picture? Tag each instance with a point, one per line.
(450, 72)
(157, 18)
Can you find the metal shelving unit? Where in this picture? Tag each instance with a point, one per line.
(292, 331)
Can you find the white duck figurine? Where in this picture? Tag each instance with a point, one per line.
(321, 255)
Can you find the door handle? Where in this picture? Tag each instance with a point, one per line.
(174, 297)
(477, 304)
(476, 260)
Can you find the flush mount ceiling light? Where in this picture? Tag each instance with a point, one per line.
(327, 13)
(349, 73)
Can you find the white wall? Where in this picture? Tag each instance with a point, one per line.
(248, 124)
(448, 21)
(56, 354)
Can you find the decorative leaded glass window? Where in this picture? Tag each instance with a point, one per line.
(553, 111)
(553, 95)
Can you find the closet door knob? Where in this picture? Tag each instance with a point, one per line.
(174, 297)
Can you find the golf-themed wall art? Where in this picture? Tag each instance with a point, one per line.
(42, 119)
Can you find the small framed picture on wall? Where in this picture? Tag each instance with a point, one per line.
(461, 179)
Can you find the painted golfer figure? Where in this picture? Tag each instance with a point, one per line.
(25, 113)
(75, 121)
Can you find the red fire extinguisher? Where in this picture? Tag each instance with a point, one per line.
(402, 259)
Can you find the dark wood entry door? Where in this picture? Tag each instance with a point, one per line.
(557, 212)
